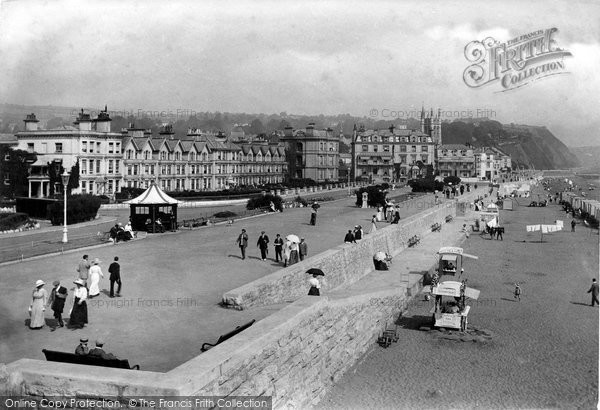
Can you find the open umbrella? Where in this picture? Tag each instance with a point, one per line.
(380, 256)
(292, 238)
(315, 271)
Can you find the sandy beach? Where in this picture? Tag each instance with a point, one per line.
(543, 350)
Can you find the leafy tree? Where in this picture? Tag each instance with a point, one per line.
(14, 169)
(452, 180)
(74, 177)
(257, 127)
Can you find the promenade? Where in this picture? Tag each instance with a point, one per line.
(543, 352)
(172, 287)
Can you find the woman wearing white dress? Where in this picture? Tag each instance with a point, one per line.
(37, 307)
(373, 224)
(95, 274)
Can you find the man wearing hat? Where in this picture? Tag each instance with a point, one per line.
(57, 299)
(84, 268)
(98, 351)
(242, 242)
(302, 249)
(263, 244)
(82, 349)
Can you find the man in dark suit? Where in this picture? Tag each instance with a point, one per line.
(115, 276)
(98, 351)
(594, 291)
(242, 242)
(57, 299)
(263, 244)
(278, 248)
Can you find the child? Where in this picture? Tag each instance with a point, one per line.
(517, 292)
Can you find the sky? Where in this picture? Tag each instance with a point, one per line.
(380, 59)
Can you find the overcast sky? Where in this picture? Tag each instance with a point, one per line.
(300, 57)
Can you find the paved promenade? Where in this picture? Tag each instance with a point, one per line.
(172, 286)
(543, 352)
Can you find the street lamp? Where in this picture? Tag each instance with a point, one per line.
(65, 181)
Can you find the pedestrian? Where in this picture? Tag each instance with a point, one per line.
(79, 313)
(95, 275)
(349, 238)
(115, 277)
(287, 253)
(517, 293)
(315, 286)
(294, 254)
(242, 242)
(462, 189)
(594, 291)
(313, 216)
(465, 230)
(57, 299)
(573, 223)
(84, 268)
(396, 216)
(358, 233)
(82, 348)
(302, 249)
(499, 232)
(38, 306)
(278, 242)
(373, 224)
(98, 351)
(263, 245)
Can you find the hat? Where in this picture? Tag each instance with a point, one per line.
(262, 232)
(39, 283)
(55, 283)
(99, 342)
(301, 239)
(78, 282)
(96, 261)
(83, 340)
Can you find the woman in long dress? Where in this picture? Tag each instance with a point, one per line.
(294, 256)
(38, 306)
(315, 286)
(79, 313)
(373, 224)
(95, 274)
(287, 251)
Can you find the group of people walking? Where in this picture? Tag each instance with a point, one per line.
(78, 314)
(286, 251)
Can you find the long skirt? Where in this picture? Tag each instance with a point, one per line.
(314, 291)
(79, 314)
(313, 219)
(37, 314)
(293, 257)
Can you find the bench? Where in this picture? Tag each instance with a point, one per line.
(413, 241)
(54, 356)
(436, 227)
(388, 336)
(449, 218)
(229, 335)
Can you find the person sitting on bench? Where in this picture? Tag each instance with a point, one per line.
(82, 349)
(98, 351)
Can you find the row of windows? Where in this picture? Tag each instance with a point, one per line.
(201, 169)
(377, 138)
(109, 187)
(91, 147)
(44, 149)
(193, 156)
(386, 148)
(91, 166)
(197, 184)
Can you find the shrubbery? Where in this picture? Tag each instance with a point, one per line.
(426, 185)
(80, 208)
(452, 180)
(301, 200)
(12, 221)
(225, 214)
(264, 201)
(376, 194)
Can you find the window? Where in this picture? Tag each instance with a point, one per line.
(117, 167)
(98, 147)
(152, 169)
(423, 148)
(146, 154)
(402, 148)
(413, 148)
(129, 170)
(30, 147)
(129, 154)
(110, 166)
(83, 146)
(365, 148)
(98, 165)
(83, 169)
(386, 148)
(135, 169)
(83, 187)
(375, 148)
(117, 151)
(91, 152)
(91, 168)
(111, 147)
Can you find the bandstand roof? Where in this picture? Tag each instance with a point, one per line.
(153, 196)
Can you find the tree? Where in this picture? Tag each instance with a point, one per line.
(256, 127)
(55, 170)
(452, 180)
(74, 177)
(14, 168)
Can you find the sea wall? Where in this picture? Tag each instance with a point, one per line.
(346, 263)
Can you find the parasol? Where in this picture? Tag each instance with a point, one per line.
(380, 256)
(315, 271)
(292, 238)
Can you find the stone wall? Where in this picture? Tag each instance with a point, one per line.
(345, 263)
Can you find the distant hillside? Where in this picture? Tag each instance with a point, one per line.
(589, 157)
(529, 146)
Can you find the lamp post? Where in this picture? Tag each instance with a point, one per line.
(65, 181)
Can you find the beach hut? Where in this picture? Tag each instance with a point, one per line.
(153, 211)
(451, 260)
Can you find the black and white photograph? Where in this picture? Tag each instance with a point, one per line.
(299, 204)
